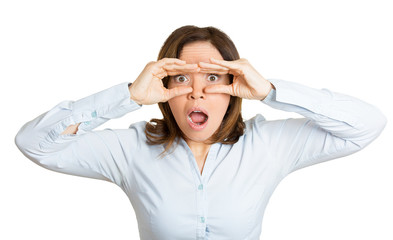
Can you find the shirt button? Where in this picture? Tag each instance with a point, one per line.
(202, 219)
(200, 187)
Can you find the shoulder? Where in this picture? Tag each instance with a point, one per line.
(137, 130)
(259, 122)
(253, 128)
(134, 133)
(254, 122)
(259, 127)
(138, 126)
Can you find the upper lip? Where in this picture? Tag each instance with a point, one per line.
(197, 109)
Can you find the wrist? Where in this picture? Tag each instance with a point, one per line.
(269, 88)
(132, 97)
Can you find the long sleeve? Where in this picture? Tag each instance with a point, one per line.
(335, 125)
(94, 154)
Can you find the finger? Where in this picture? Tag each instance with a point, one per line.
(160, 75)
(179, 72)
(174, 70)
(211, 66)
(220, 72)
(177, 91)
(234, 65)
(219, 88)
(181, 62)
(185, 67)
(163, 73)
(165, 61)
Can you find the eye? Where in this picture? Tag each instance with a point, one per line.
(213, 77)
(180, 78)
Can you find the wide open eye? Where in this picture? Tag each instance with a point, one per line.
(213, 77)
(180, 78)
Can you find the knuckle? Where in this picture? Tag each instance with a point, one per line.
(166, 95)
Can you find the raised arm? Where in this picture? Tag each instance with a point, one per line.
(53, 141)
(335, 125)
(63, 139)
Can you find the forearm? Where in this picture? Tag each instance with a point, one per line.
(73, 129)
(341, 115)
(335, 125)
(74, 117)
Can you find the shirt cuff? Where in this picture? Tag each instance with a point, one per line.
(98, 108)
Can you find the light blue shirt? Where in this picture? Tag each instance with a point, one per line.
(171, 198)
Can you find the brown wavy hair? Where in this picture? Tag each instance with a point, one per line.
(164, 131)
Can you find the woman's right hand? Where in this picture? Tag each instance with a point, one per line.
(149, 89)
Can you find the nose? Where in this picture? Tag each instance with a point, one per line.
(197, 90)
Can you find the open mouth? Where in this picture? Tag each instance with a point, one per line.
(198, 117)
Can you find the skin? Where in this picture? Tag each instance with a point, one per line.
(198, 61)
(216, 104)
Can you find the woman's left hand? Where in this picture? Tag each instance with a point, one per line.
(247, 82)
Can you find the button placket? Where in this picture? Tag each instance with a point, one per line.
(201, 205)
(202, 230)
(200, 187)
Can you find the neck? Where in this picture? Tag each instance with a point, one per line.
(198, 148)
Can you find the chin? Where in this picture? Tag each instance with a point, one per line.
(197, 137)
(201, 136)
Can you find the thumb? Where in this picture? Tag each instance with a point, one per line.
(177, 91)
(227, 89)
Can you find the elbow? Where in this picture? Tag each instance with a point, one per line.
(27, 144)
(378, 124)
(30, 149)
(371, 130)
(383, 122)
(21, 140)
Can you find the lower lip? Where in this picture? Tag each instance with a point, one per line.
(197, 127)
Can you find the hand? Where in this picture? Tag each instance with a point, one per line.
(247, 82)
(149, 89)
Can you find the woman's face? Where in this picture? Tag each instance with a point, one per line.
(196, 127)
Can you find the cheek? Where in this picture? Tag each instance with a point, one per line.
(172, 106)
(176, 105)
(221, 103)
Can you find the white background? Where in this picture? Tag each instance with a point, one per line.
(52, 51)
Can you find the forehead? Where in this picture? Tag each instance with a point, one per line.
(199, 51)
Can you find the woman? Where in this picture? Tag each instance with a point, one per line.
(200, 172)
